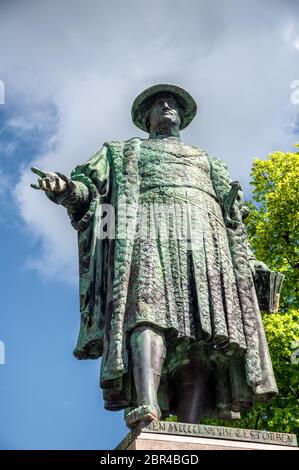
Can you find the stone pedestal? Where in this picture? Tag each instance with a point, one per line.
(162, 435)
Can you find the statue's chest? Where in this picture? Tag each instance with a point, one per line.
(172, 161)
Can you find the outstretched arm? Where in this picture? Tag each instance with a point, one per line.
(62, 190)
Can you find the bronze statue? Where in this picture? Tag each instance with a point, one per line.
(167, 290)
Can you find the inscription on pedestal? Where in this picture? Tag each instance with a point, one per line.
(220, 432)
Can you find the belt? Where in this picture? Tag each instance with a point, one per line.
(162, 187)
(162, 190)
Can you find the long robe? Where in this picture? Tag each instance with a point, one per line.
(201, 295)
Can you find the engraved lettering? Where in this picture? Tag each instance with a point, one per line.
(155, 425)
(172, 427)
(162, 425)
(228, 432)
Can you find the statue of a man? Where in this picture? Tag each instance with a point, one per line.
(167, 296)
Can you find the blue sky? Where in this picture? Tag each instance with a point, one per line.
(70, 77)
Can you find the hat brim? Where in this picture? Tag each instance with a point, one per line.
(144, 101)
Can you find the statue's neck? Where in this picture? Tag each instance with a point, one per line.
(166, 138)
(171, 134)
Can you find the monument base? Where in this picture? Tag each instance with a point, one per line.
(171, 436)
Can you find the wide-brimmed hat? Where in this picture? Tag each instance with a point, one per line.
(144, 101)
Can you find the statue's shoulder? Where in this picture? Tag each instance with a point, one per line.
(121, 144)
(198, 149)
(202, 152)
(193, 150)
(216, 162)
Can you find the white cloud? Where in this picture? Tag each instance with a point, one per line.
(291, 35)
(47, 222)
(73, 72)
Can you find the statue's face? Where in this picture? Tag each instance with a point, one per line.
(164, 112)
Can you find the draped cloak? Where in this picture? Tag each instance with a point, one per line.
(238, 379)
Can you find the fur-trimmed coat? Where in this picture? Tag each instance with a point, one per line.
(110, 175)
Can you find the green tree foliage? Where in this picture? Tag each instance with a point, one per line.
(273, 229)
(273, 224)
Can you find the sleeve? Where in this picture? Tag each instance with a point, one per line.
(94, 176)
(74, 197)
(91, 185)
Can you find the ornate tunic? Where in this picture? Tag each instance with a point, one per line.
(191, 277)
(182, 277)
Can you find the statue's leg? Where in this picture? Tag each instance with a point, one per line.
(148, 352)
(191, 387)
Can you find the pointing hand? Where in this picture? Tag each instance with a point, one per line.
(50, 182)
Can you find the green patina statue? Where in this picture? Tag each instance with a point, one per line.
(169, 287)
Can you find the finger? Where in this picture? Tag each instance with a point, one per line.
(35, 186)
(52, 185)
(61, 175)
(58, 184)
(48, 183)
(38, 172)
(42, 184)
(62, 181)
